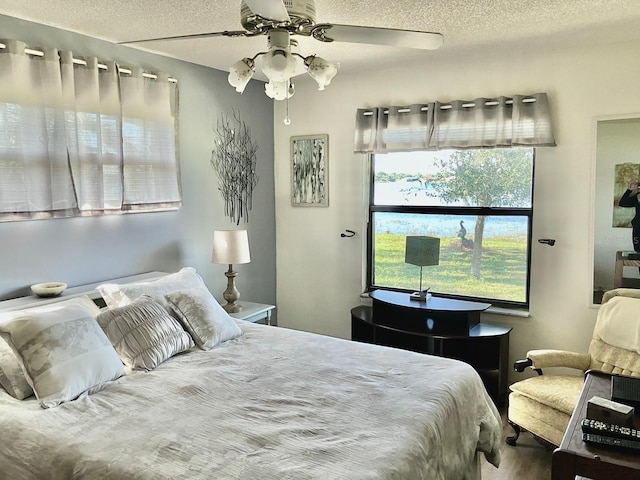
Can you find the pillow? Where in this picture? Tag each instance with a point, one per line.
(120, 295)
(62, 350)
(203, 317)
(11, 375)
(143, 333)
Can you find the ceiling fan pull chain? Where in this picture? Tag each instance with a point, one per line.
(287, 120)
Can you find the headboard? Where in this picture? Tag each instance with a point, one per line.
(89, 290)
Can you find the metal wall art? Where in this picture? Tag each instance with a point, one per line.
(310, 171)
(234, 159)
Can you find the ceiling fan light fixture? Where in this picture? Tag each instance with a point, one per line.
(240, 73)
(279, 90)
(321, 70)
(278, 64)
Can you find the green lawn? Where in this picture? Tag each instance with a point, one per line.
(503, 269)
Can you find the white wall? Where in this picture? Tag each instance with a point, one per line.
(319, 273)
(92, 249)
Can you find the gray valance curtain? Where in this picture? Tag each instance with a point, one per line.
(520, 120)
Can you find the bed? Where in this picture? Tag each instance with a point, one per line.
(270, 403)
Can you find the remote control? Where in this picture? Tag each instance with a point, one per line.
(611, 441)
(607, 429)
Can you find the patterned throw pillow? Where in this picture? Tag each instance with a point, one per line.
(63, 350)
(11, 375)
(116, 295)
(143, 333)
(203, 317)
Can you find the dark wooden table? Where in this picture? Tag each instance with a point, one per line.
(445, 327)
(575, 457)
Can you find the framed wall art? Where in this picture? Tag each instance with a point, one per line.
(310, 171)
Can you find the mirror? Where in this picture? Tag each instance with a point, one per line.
(617, 163)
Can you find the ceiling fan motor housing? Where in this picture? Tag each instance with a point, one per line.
(301, 12)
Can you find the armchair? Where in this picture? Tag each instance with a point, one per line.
(543, 404)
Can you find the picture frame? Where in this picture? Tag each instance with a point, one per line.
(310, 171)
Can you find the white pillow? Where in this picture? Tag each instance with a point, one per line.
(203, 317)
(116, 295)
(62, 349)
(143, 333)
(11, 375)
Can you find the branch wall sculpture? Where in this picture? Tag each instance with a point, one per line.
(234, 159)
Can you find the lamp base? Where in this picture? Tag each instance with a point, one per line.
(420, 296)
(232, 307)
(231, 294)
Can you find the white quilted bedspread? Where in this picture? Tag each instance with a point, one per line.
(272, 404)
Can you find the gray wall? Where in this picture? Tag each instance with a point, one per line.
(86, 250)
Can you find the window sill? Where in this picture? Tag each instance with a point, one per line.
(512, 312)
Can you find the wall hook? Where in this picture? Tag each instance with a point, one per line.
(350, 233)
(547, 241)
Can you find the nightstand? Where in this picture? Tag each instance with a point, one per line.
(255, 312)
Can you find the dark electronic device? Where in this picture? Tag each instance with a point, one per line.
(625, 390)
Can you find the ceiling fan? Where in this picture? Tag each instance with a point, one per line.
(282, 19)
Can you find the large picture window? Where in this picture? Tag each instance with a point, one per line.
(478, 202)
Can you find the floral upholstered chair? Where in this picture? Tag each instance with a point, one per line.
(543, 404)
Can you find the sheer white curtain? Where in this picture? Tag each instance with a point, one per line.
(35, 179)
(150, 167)
(79, 139)
(521, 120)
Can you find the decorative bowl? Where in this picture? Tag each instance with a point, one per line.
(49, 289)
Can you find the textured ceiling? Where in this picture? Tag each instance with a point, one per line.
(468, 26)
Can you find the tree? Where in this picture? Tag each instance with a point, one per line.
(485, 178)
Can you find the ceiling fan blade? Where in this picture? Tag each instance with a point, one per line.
(269, 9)
(226, 33)
(378, 36)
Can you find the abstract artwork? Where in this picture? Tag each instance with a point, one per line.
(234, 159)
(310, 171)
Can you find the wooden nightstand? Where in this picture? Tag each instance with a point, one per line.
(255, 312)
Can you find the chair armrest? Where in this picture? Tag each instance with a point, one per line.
(520, 365)
(559, 358)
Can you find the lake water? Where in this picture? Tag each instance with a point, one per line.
(405, 193)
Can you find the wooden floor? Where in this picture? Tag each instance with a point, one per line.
(528, 460)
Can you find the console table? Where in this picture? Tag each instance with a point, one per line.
(441, 326)
(575, 457)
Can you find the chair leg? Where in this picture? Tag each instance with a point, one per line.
(513, 438)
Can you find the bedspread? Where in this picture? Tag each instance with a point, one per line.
(271, 404)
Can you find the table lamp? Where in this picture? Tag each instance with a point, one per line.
(231, 247)
(422, 251)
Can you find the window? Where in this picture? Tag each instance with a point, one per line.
(477, 201)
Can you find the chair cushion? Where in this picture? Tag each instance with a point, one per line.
(616, 360)
(556, 391)
(541, 420)
(618, 323)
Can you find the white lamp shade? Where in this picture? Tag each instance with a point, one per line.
(230, 247)
(279, 65)
(278, 90)
(240, 73)
(321, 70)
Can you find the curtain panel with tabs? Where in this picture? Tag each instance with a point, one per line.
(78, 137)
(520, 120)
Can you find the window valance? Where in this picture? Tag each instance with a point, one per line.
(520, 120)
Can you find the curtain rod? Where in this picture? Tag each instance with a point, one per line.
(448, 106)
(77, 61)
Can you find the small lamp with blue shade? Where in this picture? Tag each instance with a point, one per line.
(422, 251)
